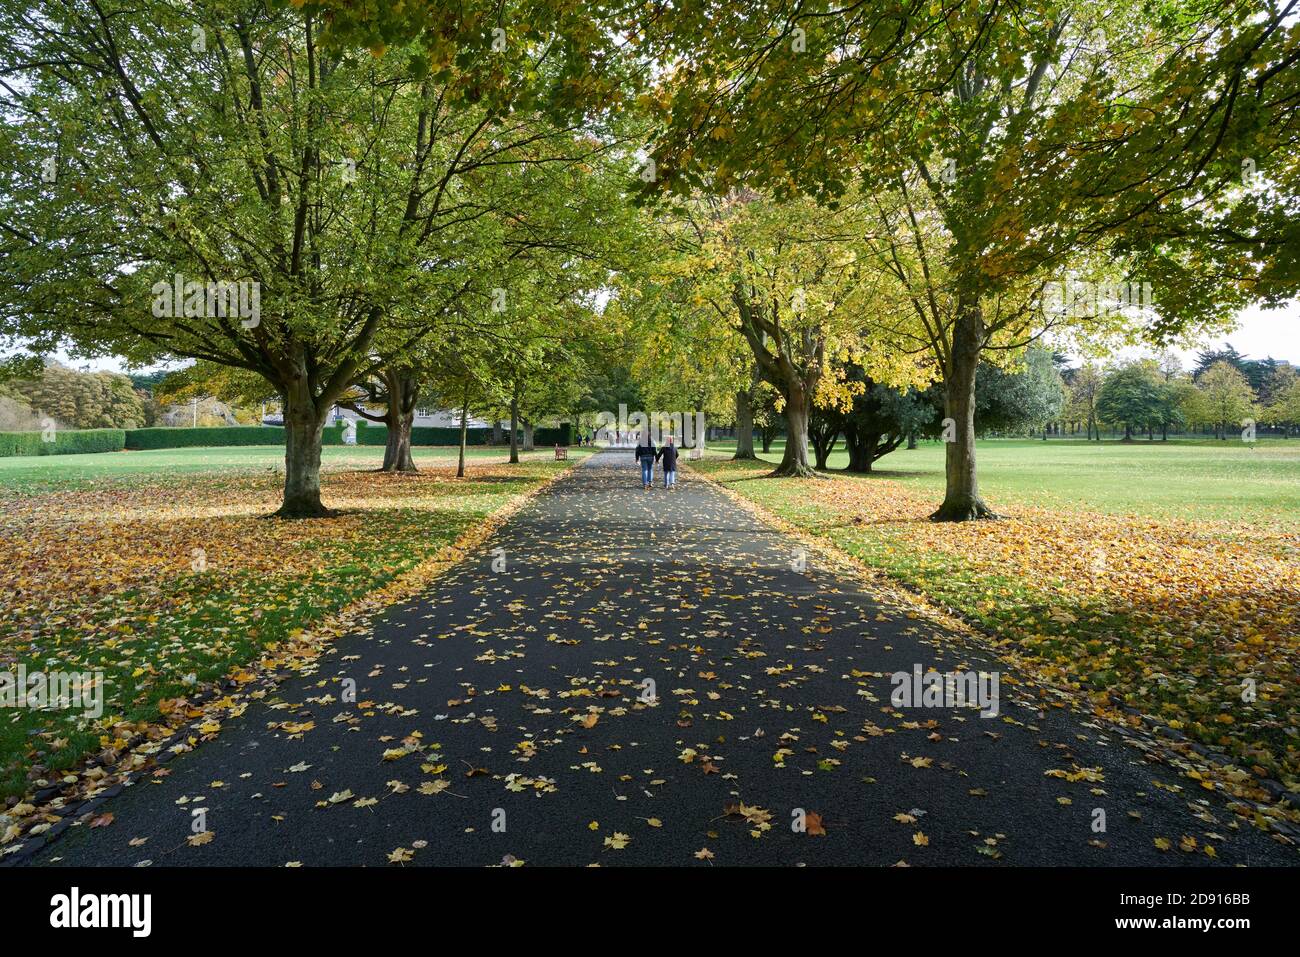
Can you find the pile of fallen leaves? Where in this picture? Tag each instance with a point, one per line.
(168, 584)
(1194, 625)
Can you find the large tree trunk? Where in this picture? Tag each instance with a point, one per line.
(497, 437)
(403, 394)
(464, 432)
(962, 500)
(397, 447)
(528, 436)
(794, 462)
(859, 452)
(744, 425)
(865, 448)
(514, 429)
(303, 428)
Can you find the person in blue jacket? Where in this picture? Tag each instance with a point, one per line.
(646, 453)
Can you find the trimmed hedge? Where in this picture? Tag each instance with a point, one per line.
(561, 436)
(220, 436)
(66, 442)
(376, 434)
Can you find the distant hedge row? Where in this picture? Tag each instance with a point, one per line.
(66, 442)
(217, 437)
(373, 434)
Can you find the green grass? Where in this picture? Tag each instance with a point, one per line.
(26, 474)
(1189, 479)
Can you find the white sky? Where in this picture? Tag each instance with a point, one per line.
(1259, 334)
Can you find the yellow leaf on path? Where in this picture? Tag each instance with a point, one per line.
(920, 840)
(206, 837)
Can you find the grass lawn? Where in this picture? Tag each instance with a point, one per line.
(160, 569)
(1191, 479)
(1165, 577)
(37, 473)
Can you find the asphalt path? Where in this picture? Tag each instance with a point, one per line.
(629, 677)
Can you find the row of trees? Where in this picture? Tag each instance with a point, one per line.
(407, 215)
(963, 158)
(65, 398)
(468, 203)
(1157, 396)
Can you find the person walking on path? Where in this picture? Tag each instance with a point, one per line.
(646, 453)
(669, 455)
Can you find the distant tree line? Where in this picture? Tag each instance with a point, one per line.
(1224, 394)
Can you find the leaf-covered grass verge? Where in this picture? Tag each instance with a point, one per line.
(167, 582)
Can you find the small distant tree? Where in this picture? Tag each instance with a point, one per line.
(1084, 386)
(1022, 399)
(1131, 397)
(1176, 396)
(1284, 410)
(1226, 397)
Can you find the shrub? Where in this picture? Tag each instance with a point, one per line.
(557, 436)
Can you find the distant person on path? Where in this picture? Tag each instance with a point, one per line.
(646, 453)
(669, 455)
